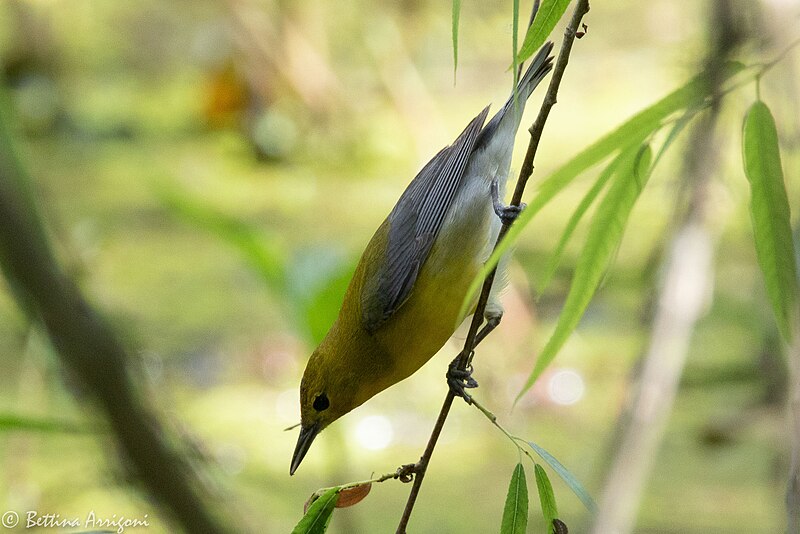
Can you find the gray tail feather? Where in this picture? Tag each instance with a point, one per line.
(542, 64)
(538, 69)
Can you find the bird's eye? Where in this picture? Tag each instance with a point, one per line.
(321, 403)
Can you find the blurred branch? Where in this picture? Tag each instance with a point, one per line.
(87, 346)
(793, 485)
(465, 357)
(681, 299)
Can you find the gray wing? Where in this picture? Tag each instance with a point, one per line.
(413, 225)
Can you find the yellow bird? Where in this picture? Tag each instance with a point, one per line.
(405, 297)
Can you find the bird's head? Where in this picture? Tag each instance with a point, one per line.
(327, 392)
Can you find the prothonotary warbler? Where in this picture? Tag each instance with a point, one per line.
(406, 294)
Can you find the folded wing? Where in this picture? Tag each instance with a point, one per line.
(414, 224)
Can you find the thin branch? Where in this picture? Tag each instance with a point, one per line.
(514, 439)
(526, 171)
(550, 100)
(793, 482)
(403, 474)
(88, 347)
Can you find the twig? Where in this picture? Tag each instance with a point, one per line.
(793, 482)
(403, 474)
(87, 346)
(493, 419)
(465, 357)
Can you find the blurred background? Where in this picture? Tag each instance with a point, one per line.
(210, 172)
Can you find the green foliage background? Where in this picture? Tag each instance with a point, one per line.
(219, 242)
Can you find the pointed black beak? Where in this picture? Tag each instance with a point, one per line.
(304, 441)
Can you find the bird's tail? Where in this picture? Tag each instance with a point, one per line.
(538, 69)
(508, 118)
(542, 64)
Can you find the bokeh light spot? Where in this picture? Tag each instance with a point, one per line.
(565, 387)
(374, 432)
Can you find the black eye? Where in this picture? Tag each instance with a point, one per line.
(321, 403)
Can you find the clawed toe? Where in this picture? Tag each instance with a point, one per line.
(508, 214)
(459, 380)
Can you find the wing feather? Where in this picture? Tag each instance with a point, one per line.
(414, 224)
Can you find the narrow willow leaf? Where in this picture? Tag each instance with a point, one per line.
(631, 133)
(264, 254)
(319, 514)
(587, 201)
(605, 234)
(565, 475)
(456, 17)
(550, 12)
(676, 130)
(546, 497)
(769, 213)
(515, 512)
(14, 422)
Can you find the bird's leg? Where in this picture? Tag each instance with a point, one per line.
(460, 380)
(493, 319)
(508, 214)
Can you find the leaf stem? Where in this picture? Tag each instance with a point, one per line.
(400, 473)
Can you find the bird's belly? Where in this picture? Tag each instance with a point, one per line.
(432, 313)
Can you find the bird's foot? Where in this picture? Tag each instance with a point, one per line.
(492, 321)
(460, 380)
(507, 213)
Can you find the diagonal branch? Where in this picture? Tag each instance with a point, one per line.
(526, 171)
(88, 347)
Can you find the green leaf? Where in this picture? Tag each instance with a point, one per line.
(550, 12)
(456, 17)
(319, 514)
(515, 512)
(605, 234)
(14, 422)
(631, 133)
(321, 309)
(265, 254)
(546, 497)
(676, 130)
(317, 280)
(587, 201)
(565, 475)
(590, 196)
(769, 213)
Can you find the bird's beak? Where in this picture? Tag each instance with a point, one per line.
(307, 435)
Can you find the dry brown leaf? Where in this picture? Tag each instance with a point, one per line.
(351, 496)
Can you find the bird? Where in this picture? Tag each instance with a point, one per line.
(405, 298)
